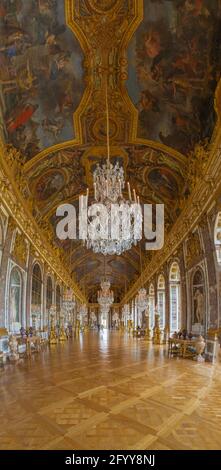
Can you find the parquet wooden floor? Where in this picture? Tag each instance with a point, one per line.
(109, 391)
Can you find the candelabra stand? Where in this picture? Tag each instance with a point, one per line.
(130, 326)
(148, 331)
(62, 335)
(166, 334)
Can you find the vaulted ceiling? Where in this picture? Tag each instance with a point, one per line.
(163, 62)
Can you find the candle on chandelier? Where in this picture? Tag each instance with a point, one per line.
(129, 191)
(95, 191)
(135, 197)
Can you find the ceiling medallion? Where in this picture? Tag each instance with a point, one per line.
(103, 6)
(115, 223)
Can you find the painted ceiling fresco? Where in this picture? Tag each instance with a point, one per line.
(174, 68)
(161, 61)
(41, 74)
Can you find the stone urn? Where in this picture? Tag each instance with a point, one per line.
(200, 348)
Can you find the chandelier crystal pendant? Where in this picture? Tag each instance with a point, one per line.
(104, 310)
(116, 211)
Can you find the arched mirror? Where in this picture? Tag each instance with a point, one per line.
(161, 299)
(15, 300)
(175, 311)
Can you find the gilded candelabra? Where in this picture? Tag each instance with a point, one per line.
(148, 331)
(157, 334)
(52, 335)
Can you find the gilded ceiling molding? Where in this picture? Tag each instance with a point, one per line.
(104, 44)
(204, 191)
(19, 210)
(217, 107)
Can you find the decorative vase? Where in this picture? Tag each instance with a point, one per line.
(13, 345)
(200, 348)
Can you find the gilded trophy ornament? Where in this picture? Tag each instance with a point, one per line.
(20, 249)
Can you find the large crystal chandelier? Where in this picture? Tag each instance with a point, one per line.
(126, 312)
(83, 313)
(68, 300)
(105, 295)
(125, 214)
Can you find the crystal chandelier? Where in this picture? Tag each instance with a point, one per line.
(82, 314)
(126, 312)
(115, 316)
(126, 215)
(53, 310)
(68, 300)
(142, 300)
(104, 310)
(105, 295)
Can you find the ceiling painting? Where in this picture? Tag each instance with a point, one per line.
(41, 75)
(160, 61)
(174, 68)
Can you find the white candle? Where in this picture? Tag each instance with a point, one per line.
(95, 191)
(129, 191)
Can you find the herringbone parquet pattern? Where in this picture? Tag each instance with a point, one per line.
(109, 391)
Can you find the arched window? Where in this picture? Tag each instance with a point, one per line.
(49, 293)
(152, 304)
(58, 299)
(217, 237)
(175, 314)
(161, 300)
(15, 299)
(36, 285)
